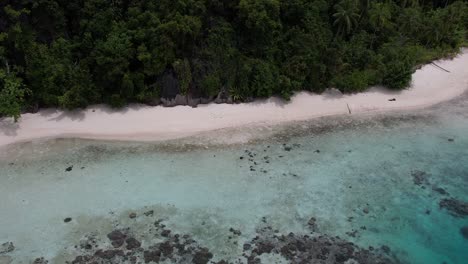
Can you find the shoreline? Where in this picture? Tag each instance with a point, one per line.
(430, 85)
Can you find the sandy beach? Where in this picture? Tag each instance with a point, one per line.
(430, 85)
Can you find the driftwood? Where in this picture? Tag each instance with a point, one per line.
(439, 67)
(349, 109)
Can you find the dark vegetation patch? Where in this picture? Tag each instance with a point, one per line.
(76, 53)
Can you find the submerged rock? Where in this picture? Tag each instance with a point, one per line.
(108, 254)
(440, 190)
(40, 260)
(455, 207)
(202, 256)
(132, 243)
(151, 256)
(464, 231)
(149, 213)
(306, 249)
(7, 247)
(419, 177)
(117, 238)
(175, 248)
(235, 232)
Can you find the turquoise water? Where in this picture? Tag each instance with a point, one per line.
(354, 175)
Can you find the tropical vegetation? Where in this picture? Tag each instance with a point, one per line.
(73, 53)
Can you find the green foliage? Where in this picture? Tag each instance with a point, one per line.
(74, 53)
(355, 81)
(184, 74)
(11, 95)
(211, 85)
(346, 16)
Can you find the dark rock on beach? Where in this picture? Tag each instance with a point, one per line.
(455, 207)
(69, 168)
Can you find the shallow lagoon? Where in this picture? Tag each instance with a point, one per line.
(354, 175)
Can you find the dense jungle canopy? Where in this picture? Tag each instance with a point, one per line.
(73, 53)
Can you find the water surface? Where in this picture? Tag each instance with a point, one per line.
(374, 180)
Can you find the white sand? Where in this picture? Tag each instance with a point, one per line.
(430, 85)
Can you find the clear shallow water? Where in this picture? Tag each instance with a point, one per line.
(353, 175)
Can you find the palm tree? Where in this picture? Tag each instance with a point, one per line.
(380, 15)
(346, 16)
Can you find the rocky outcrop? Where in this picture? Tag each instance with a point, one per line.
(455, 207)
(464, 232)
(7, 247)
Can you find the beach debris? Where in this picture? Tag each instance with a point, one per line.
(132, 215)
(69, 168)
(349, 109)
(392, 100)
(67, 220)
(439, 67)
(464, 231)
(7, 247)
(455, 207)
